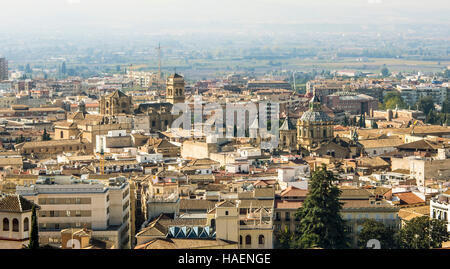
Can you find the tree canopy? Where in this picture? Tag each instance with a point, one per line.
(372, 229)
(423, 233)
(321, 225)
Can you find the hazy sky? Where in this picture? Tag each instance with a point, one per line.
(180, 15)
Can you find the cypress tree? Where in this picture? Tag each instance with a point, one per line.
(34, 235)
(321, 224)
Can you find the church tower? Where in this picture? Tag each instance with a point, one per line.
(175, 89)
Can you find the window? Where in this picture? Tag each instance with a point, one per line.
(240, 240)
(288, 216)
(15, 223)
(261, 239)
(62, 134)
(226, 213)
(26, 225)
(213, 223)
(5, 224)
(277, 216)
(248, 240)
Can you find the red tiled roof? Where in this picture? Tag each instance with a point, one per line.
(409, 198)
(283, 204)
(293, 191)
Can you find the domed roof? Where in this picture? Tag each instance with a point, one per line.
(315, 116)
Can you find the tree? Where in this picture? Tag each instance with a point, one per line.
(426, 104)
(362, 121)
(45, 136)
(392, 100)
(372, 229)
(345, 121)
(423, 233)
(431, 117)
(374, 125)
(385, 71)
(34, 234)
(21, 139)
(284, 238)
(321, 224)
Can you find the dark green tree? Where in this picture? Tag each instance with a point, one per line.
(431, 117)
(345, 121)
(34, 234)
(385, 71)
(425, 104)
(46, 136)
(362, 121)
(372, 229)
(321, 224)
(423, 233)
(20, 139)
(284, 238)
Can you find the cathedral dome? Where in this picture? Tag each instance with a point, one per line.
(315, 116)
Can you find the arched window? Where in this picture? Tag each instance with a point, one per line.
(107, 104)
(248, 240)
(62, 134)
(5, 224)
(261, 239)
(15, 223)
(26, 225)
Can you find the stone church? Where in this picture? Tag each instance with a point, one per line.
(154, 117)
(314, 126)
(315, 135)
(116, 103)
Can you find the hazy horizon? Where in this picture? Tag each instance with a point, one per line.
(185, 17)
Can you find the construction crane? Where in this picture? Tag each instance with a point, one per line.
(102, 162)
(159, 64)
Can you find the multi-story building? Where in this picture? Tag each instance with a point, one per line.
(351, 102)
(412, 94)
(67, 202)
(143, 79)
(267, 84)
(440, 208)
(359, 205)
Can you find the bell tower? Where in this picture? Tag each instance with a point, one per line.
(175, 89)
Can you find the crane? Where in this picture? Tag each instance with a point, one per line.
(159, 64)
(102, 162)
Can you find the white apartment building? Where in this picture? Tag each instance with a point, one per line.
(142, 79)
(113, 142)
(412, 94)
(440, 207)
(67, 202)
